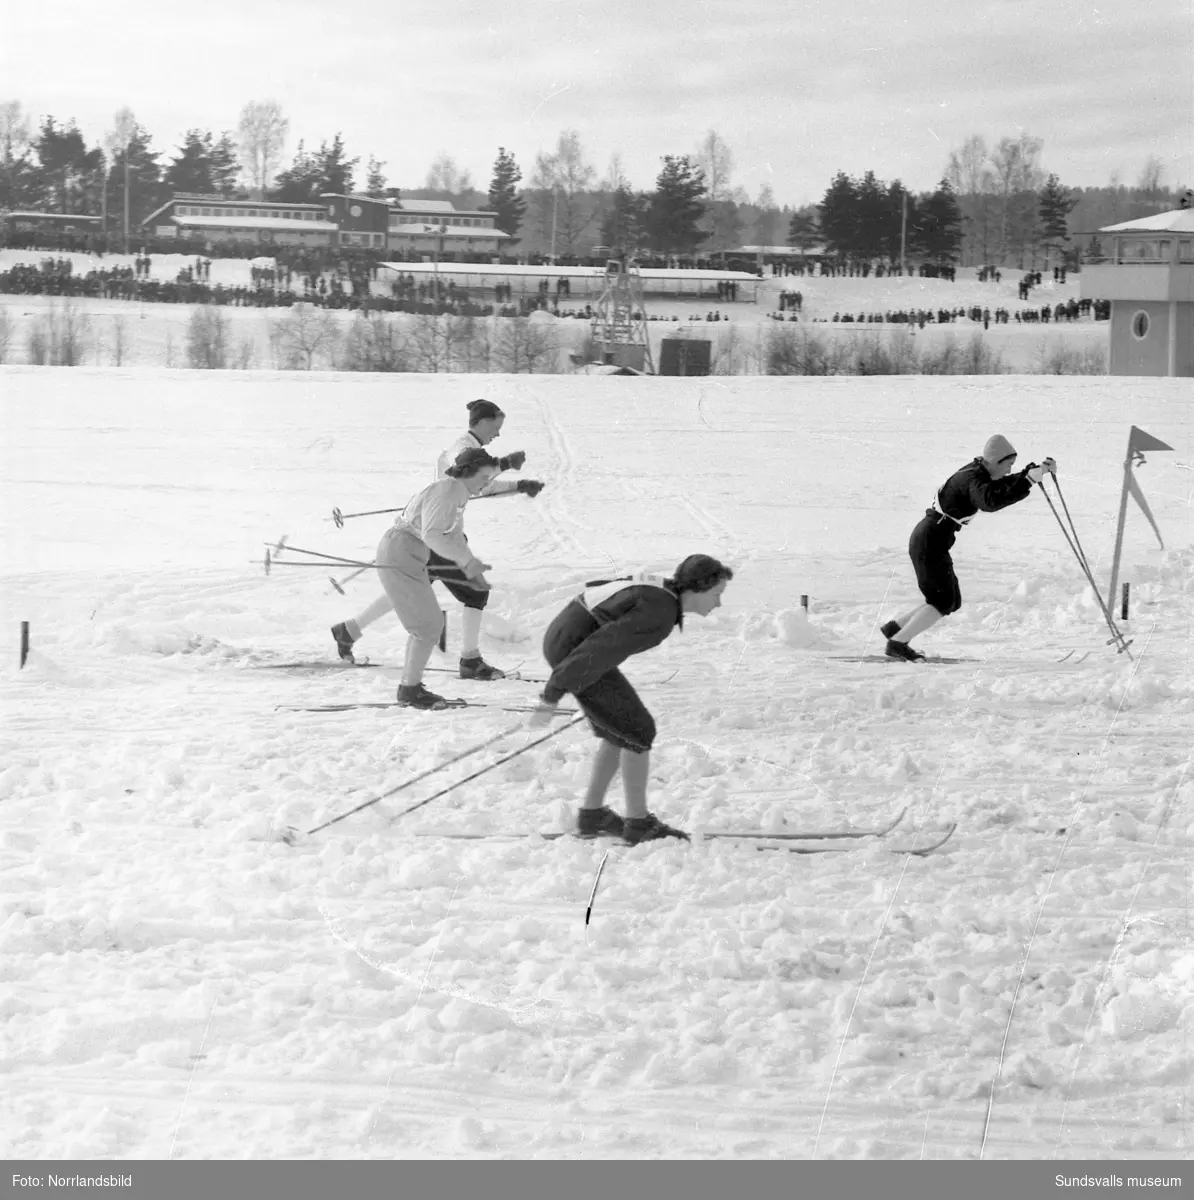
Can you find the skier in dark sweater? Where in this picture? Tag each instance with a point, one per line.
(984, 485)
(585, 645)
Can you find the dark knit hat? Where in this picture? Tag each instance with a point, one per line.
(699, 573)
(468, 462)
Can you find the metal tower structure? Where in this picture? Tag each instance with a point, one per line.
(620, 319)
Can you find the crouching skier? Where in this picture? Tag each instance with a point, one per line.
(985, 484)
(585, 644)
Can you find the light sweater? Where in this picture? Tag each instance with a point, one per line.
(436, 517)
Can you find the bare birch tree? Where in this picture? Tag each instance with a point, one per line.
(716, 161)
(560, 184)
(262, 133)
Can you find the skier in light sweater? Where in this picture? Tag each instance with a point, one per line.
(985, 484)
(431, 523)
(485, 424)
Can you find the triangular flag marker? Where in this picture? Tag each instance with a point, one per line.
(1138, 442)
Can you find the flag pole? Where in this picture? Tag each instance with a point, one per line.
(1119, 526)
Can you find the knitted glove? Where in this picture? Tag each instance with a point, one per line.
(530, 487)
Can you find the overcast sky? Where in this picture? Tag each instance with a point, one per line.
(798, 90)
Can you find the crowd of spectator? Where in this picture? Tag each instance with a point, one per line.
(333, 277)
(1070, 310)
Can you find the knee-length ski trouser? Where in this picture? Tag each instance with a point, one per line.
(439, 570)
(615, 712)
(929, 548)
(402, 567)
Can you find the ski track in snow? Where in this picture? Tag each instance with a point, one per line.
(176, 981)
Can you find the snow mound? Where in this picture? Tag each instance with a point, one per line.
(793, 628)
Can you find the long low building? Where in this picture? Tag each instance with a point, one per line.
(431, 227)
(582, 281)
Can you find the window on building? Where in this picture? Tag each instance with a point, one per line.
(1185, 251)
(1140, 325)
(206, 212)
(1143, 250)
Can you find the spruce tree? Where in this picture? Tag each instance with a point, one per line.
(225, 165)
(623, 226)
(1054, 207)
(334, 169)
(190, 170)
(505, 203)
(298, 183)
(313, 174)
(938, 226)
(802, 230)
(675, 207)
(67, 171)
(375, 180)
(144, 178)
(871, 220)
(838, 213)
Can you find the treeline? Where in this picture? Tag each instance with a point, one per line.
(995, 203)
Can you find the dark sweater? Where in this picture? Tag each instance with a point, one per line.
(972, 489)
(638, 617)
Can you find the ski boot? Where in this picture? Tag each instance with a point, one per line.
(477, 668)
(598, 822)
(648, 829)
(904, 651)
(417, 696)
(344, 642)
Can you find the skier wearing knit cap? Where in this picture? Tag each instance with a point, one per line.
(984, 485)
(485, 425)
(585, 645)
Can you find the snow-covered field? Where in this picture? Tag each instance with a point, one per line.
(177, 981)
(120, 333)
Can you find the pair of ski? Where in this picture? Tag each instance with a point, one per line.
(315, 665)
(824, 841)
(935, 660)
(442, 706)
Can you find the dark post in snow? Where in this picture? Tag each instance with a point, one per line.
(24, 641)
(1123, 612)
(804, 603)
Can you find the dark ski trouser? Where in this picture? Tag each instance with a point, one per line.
(929, 548)
(445, 571)
(615, 712)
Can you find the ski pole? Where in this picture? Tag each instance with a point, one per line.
(1117, 638)
(418, 778)
(1073, 527)
(337, 583)
(336, 558)
(319, 566)
(485, 770)
(340, 517)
